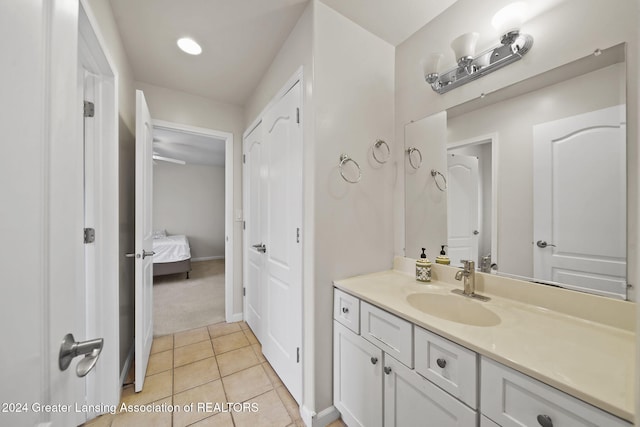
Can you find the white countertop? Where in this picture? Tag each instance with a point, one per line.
(592, 361)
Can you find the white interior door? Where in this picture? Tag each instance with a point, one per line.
(254, 237)
(463, 208)
(144, 239)
(282, 300)
(580, 201)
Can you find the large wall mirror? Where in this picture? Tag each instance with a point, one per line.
(529, 181)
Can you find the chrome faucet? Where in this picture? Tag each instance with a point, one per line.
(468, 272)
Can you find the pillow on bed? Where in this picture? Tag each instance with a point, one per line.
(159, 234)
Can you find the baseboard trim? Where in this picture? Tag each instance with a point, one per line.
(321, 419)
(127, 365)
(207, 258)
(235, 317)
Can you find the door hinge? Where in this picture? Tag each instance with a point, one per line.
(244, 292)
(89, 235)
(89, 109)
(244, 158)
(244, 225)
(297, 235)
(298, 355)
(297, 115)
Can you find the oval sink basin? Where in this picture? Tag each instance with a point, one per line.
(454, 308)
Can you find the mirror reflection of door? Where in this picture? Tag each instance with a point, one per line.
(462, 201)
(580, 201)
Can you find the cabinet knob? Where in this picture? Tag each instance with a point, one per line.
(545, 420)
(374, 360)
(345, 310)
(387, 370)
(441, 362)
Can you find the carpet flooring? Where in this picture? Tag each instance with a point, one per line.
(180, 304)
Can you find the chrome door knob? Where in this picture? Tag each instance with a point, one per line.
(542, 244)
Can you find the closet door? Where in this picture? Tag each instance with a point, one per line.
(254, 188)
(282, 297)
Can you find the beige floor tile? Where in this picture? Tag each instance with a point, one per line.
(192, 353)
(275, 379)
(190, 337)
(236, 360)
(211, 393)
(250, 336)
(156, 387)
(223, 328)
(244, 325)
(271, 413)
(257, 348)
(246, 384)
(162, 343)
(220, 420)
(101, 421)
(134, 419)
(195, 374)
(337, 423)
(289, 403)
(160, 362)
(229, 342)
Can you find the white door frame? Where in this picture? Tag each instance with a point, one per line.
(102, 293)
(483, 139)
(228, 206)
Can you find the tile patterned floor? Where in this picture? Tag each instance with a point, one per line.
(216, 364)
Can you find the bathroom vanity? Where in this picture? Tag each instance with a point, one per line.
(409, 354)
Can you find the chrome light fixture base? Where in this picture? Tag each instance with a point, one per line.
(513, 48)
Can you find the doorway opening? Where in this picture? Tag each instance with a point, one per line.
(472, 200)
(192, 218)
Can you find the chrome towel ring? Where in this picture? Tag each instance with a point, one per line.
(379, 143)
(434, 174)
(410, 151)
(344, 159)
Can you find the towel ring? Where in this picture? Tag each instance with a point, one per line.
(410, 151)
(378, 144)
(345, 159)
(434, 174)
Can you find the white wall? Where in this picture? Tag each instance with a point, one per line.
(354, 102)
(193, 110)
(189, 199)
(590, 92)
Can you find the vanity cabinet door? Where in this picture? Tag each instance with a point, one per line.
(357, 378)
(412, 401)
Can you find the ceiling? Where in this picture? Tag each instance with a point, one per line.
(239, 38)
(194, 149)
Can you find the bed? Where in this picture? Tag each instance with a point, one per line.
(172, 254)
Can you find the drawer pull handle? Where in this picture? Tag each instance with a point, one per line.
(387, 370)
(374, 360)
(442, 363)
(345, 310)
(545, 421)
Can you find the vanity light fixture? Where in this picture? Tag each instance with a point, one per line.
(189, 46)
(513, 46)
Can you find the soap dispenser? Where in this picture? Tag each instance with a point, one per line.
(443, 258)
(423, 268)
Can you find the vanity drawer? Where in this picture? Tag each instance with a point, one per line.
(346, 310)
(391, 333)
(511, 398)
(448, 365)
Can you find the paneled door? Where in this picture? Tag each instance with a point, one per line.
(254, 179)
(462, 203)
(143, 240)
(579, 184)
(282, 297)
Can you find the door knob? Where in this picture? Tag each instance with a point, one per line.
(146, 254)
(69, 349)
(476, 232)
(260, 247)
(542, 244)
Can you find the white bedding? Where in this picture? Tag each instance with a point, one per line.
(171, 249)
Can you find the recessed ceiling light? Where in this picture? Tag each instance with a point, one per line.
(189, 46)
